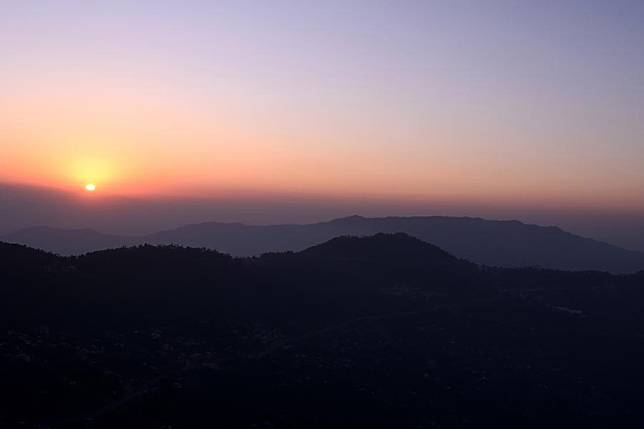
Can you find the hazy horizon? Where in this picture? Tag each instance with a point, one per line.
(27, 206)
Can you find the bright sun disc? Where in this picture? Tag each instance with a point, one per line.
(90, 187)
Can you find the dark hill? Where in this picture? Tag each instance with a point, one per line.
(17, 256)
(379, 247)
(379, 331)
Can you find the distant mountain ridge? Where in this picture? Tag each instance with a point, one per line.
(67, 241)
(488, 242)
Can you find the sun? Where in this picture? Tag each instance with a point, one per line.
(90, 187)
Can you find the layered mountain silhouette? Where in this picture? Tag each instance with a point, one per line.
(488, 242)
(377, 331)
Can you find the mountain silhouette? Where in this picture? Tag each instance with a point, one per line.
(488, 242)
(380, 246)
(380, 331)
(15, 257)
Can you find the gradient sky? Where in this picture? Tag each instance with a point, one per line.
(518, 103)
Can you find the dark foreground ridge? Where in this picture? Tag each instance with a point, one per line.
(495, 243)
(372, 332)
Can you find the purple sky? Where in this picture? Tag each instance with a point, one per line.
(514, 108)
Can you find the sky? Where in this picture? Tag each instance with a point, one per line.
(511, 104)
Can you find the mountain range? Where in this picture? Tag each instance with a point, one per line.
(377, 331)
(487, 242)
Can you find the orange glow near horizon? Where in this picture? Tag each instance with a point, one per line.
(135, 143)
(264, 173)
(397, 104)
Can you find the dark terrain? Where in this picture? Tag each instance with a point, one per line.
(487, 242)
(382, 331)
